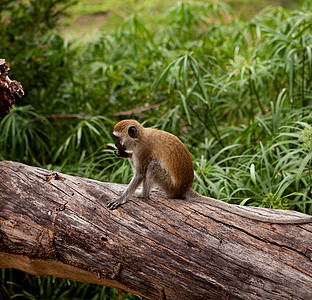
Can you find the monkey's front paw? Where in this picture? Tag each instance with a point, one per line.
(113, 204)
(122, 153)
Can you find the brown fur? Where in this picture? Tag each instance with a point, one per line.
(175, 173)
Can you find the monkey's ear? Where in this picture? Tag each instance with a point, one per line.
(132, 131)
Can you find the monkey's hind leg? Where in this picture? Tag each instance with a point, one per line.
(152, 172)
(158, 175)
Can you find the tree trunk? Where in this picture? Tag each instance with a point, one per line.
(56, 224)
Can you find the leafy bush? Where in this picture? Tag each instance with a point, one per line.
(36, 54)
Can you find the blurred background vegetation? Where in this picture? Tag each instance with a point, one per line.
(231, 79)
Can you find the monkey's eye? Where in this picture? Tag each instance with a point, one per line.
(132, 131)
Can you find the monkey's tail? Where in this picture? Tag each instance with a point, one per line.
(268, 215)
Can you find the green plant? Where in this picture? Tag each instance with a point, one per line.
(23, 135)
(272, 201)
(306, 138)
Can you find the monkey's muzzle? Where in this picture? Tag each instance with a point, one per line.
(121, 150)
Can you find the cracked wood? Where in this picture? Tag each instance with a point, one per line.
(56, 224)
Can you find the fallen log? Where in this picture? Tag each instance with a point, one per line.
(56, 224)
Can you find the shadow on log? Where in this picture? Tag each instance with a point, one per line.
(56, 224)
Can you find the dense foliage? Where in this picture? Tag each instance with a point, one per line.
(238, 93)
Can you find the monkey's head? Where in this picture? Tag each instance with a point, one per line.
(127, 134)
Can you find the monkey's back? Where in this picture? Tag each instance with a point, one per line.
(176, 161)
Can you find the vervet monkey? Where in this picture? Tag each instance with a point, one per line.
(160, 158)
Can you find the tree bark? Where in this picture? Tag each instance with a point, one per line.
(56, 224)
(8, 89)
